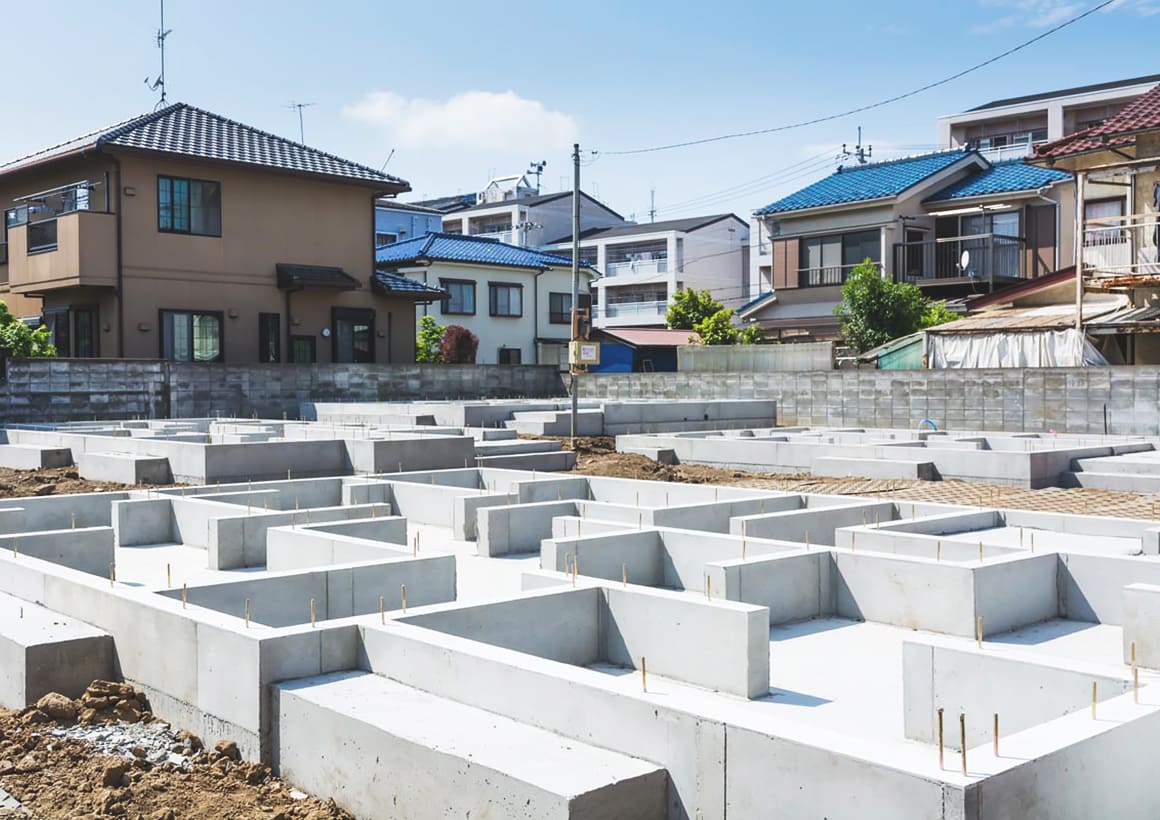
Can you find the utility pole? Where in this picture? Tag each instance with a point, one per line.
(573, 369)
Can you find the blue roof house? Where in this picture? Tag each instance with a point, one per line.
(517, 300)
(952, 222)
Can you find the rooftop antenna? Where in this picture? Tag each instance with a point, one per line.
(301, 129)
(537, 168)
(652, 205)
(860, 153)
(388, 159)
(159, 83)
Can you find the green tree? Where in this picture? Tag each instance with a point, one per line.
(428, 339)
(717, 329)
(689, 307)
(751, 335)
(20, 340)
(875, 310)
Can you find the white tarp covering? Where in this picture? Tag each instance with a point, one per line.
(1041, 348)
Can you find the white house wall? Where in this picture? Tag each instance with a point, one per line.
(711, 258)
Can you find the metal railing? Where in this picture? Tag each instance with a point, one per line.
(1018, 150)
(824, 276)
(630, 310)
(639, 267)
(1122, 247)
(989, 256)
(507, 235)
(45, 207)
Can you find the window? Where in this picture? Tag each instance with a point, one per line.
(560, 308)
(509, 355)
(1102, 218)
(190, 206)
(269, 338)
(385, 239)
(827, 260)
(188, 336)
(460, 299)
(302, 350)
(505, 299)
(353, 335)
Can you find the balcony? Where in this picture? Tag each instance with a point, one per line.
(70, 250)
(1002, 153)
(642, 267)
(828, 276)
(623, 314)
(509, 235)
(1120, 251)
(991, 258)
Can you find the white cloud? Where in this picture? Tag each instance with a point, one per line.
(473, 119)
(1047, 13)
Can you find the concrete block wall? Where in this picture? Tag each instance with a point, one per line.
(1069, 400)
(39, 390)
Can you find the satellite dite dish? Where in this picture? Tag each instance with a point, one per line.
(965, 261)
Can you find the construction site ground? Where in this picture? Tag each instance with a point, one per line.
(597, 455)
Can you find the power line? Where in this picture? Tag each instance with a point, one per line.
(871, 106)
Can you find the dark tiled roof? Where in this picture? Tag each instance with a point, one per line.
(1001, 178)
(1067, 92)
(184, 130)
(1141, 114)
(475, 250)
(861, 183)
(314, 276)
(394, 205)
(396, 285)
(682, 225)
(448, 204)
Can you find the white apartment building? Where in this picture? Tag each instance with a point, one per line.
(642, 266)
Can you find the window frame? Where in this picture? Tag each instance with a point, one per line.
(265, 337)
(506, 352)
(444, 304)
(560, 317)
(303, 338)
(493, 303)
(394, 238)
(217, 314)
(189, 206)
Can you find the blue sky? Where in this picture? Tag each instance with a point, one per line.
(463, 90)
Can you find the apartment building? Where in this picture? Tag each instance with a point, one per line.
(1011, 128)
(517, 300)
(396, 221)
(952, 222)
(643, 265)
(185, 235)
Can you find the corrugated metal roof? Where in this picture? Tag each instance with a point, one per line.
(1001, 178)
(1045, 317)
(653, 337)
(1142, 114)
(475, 250)
(187, 131)
(876, 180)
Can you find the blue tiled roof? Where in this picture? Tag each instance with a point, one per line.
(394, 283)
(1001, 178)
(476, 250)
(859, 183)
(756, 301)
(188, 131)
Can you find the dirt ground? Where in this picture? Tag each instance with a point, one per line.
(61, 481)
(597, 456)
(64, 777)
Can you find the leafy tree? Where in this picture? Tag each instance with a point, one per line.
(458, 345)
(20, 340)
(428, 339)
(690, 307)
(717, 329)
(875, 310)
(751, 335)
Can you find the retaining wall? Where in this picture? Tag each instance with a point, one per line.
(1037, 399)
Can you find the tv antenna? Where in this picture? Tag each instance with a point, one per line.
(388, 159)
(301, 128)
(537, 168)
(860, 153)
(159, 83)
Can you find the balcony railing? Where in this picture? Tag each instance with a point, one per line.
(630, 312)
(1121, 248)
(638, 267)
(504, 235)
(1018, 150)
(824, 276)
(989, 257)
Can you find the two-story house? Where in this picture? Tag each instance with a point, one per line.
(950, 221)
(396, 221)
(643, 265)
(185, 235)
(517, 301)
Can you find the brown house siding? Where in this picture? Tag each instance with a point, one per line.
(785, 263)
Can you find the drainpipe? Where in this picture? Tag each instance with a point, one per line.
(1058, 239)
(536, 313)
(1080, 195)
(120, 268)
